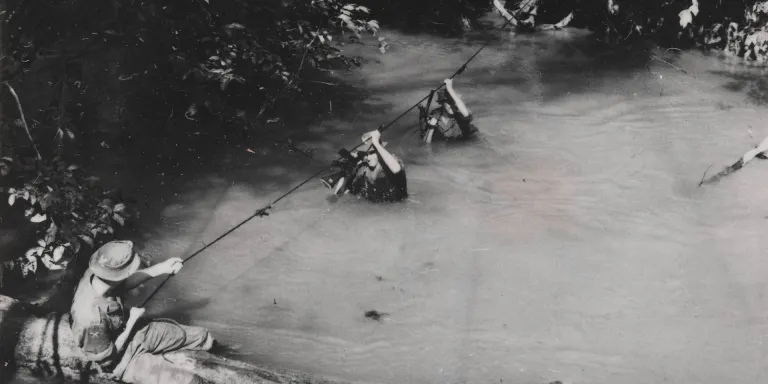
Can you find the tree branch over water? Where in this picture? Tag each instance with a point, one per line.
(759, 152)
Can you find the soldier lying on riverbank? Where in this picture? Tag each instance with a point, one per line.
(373, 173)
(450, 121)
(98, 319)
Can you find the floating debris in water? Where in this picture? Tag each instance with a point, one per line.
(375, 315)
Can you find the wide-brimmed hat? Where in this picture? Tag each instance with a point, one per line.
(368, 147)
(115, 261)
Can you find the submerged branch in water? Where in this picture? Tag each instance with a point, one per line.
(667, 62)
(758, 152)
(725, 172)
(375, 315)
(704, 175)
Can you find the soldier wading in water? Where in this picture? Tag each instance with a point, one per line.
(451, 120)
(373, 173)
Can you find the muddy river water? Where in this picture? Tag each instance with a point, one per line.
(568, 242)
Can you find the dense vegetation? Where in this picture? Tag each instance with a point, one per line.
(442, 16)
(204, 59)
(738, 27)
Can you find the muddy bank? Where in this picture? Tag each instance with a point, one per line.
(40, 347)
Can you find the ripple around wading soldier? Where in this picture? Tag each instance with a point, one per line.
(373, 173)
(451, 120)
(104, 335)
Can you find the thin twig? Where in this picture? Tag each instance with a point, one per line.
(23, 119)
(704, 175)
(320, 82)
(667, 62)
(353, 120)
(630, 32)
(210, 23)
(295, 76)
(62, 101)
(612, 26)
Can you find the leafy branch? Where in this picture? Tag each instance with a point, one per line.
(68, 209)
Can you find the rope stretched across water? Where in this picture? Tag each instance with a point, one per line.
(263, 211)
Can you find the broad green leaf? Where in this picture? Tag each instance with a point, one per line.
(11, 199)
(225, 82)
(119, 219)
(38, 218)
(50, 234)
(119, 207)
(57, 267)
(87, 239)
(58, 253)
(29, 266)
(48, 263)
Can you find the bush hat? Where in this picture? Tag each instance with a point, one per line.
(115, 261)
(367, 146)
